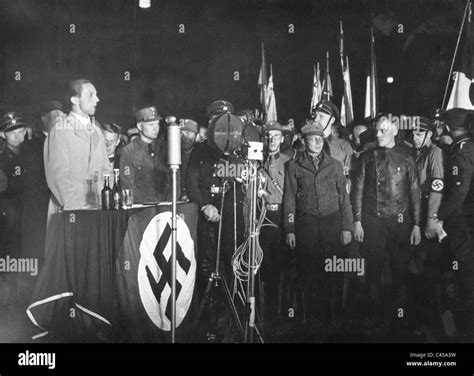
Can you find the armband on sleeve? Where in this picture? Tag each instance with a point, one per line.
(437, 185)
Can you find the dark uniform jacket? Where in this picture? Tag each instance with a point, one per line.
(35, 198)
(386, 184)
(459, 198)
(10, 202)
(204, 180)
(183, 170)
(319, 191)
(11, 166)
(143, 168)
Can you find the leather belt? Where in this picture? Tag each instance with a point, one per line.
(215, 189)
(273, 207)
(219, 190)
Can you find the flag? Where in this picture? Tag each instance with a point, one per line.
(316, 97)
(270, 109)
(107, 276)
(347, 111)
(144, 275)
(462, 94)
(370, 110)
(263, 81)
(327, 86)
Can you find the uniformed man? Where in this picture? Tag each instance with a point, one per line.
(441, 135)
(459, 200)
(387, 210)
(327, 114)
(456, 213)
(143, 162)
(275, 253)
(317, 219)
(430, 167)
(36, 194)
(425, 267)
(13, 131)
(208, 177)
(189, 131)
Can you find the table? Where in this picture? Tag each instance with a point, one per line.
(107, 275)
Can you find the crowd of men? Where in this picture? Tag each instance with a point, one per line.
(397, 200)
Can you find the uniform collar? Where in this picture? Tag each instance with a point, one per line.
(304, 158)
(143, 144)
(274, 155)
(10, 151)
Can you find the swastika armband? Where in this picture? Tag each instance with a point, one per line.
(437, 185)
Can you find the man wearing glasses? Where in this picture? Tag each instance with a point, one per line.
(317, 219)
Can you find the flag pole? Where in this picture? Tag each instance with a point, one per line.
(341, 45)
(264, 83)
(373, 76)
(455, 53)
(326, 80)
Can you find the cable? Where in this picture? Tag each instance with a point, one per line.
(240, 264)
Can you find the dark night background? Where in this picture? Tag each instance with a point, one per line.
(182, 73)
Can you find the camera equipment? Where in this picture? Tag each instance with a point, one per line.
(225, 132)
(248, 257)
(217, 279)
(230, 135)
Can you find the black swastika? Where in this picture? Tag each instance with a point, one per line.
(165, 267)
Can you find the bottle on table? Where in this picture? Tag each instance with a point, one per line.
(116, 191)
(106, 195)
(92, 195)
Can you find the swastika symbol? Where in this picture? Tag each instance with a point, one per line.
(165, 267)
(437, 185)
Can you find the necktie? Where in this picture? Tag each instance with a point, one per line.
(151, 151)
(271, 159)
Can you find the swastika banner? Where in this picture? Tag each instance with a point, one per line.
(144, 274)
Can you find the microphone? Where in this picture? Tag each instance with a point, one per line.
(174, 160)
(174, 141)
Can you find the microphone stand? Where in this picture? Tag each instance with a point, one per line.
(174, 160)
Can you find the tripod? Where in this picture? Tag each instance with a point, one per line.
(217, 280)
